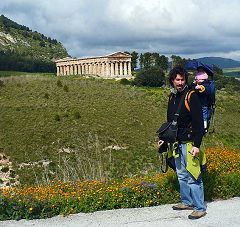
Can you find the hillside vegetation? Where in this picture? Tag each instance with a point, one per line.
(72, 128)
(220, 62)
(22, 49)
(234, 72)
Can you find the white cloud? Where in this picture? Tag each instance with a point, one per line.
(96, 27)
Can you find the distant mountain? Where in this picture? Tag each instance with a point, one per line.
(24, 50)
(220, 62)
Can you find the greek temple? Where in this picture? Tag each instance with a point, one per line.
(115, 65)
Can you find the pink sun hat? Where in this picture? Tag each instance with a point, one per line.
(201, 76)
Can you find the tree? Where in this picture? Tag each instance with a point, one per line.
(217, 70)
(141, 61)
(150, 77)
(178, 61)
(147, 60)
(155, 59)
(134, 59)
(163, 62)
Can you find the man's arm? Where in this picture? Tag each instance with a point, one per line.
(197, 121)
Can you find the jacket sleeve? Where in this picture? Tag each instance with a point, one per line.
(197, 120)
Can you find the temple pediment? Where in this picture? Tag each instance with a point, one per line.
(119, 55)
(64, 59)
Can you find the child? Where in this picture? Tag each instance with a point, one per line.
(202, 87)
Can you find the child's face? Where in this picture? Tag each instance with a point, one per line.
(199, 81)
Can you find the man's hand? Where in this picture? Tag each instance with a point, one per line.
(195, 151)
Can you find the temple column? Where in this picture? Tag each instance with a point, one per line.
(112, 70)
(103, 69)
(121, 69)
(58, 71)
(97, 69)
(63, 70)
(79, 69)
(71, 69)
(90, 68)
(67, 70)
(107, 69)
(125, 72)
(129, 69)
(93, 65)
(94, 68)
(75, 70)
(116, 68)
(83, 69)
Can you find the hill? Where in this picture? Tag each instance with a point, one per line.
(72, 128)
(220, 62)
(21, 49)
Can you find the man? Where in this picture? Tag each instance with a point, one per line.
(190, 133)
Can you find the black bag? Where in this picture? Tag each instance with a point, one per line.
(168, 132)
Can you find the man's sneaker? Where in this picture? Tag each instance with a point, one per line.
(197, 214)
(182, 207)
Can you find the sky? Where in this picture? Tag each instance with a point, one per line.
(188, 28)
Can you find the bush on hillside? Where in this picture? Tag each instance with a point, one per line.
(125, 81)
(151, 77)
(227, 82)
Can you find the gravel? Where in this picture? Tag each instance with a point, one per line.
(220, 213)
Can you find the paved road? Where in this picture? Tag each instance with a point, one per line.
(219, 213)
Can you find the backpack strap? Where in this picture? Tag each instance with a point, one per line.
(187, 99)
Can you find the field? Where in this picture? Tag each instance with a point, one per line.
(76, 141)
(235, 72)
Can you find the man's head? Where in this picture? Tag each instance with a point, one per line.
(178, 78)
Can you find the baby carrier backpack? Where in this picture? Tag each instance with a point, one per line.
(210, 99)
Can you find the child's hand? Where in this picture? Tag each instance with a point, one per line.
(201, 88)
(198, 87)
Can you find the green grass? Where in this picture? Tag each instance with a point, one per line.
(14, 73)
(231, 69)
(39, 118)
(235, 72)
(109, 129)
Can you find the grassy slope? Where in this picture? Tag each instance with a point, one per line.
(232, 72)
(39, 117)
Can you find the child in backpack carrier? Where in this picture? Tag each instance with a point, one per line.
(202, 87)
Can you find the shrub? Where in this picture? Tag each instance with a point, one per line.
(46, 96)
(125, 81)
(57, 117)
(152, 77)
(77, 115)
(1, 83)
(65, 88)
(59, 83)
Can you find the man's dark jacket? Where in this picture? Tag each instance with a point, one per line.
(190, 123)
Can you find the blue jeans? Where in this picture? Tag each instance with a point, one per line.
(191, 190)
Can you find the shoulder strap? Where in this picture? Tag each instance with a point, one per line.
(187, 99)
(176, 115)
